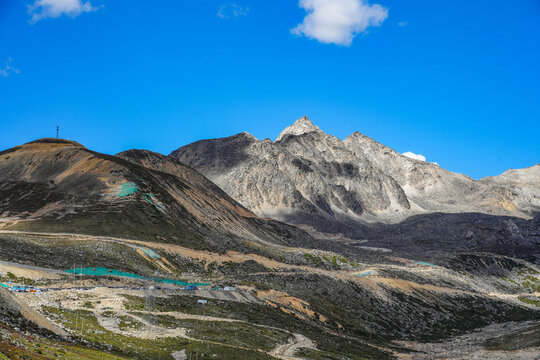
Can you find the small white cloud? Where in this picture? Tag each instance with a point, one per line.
(412, 155)
(231, 10)
(42, 9)
(403, 23)
(8, 69)
(338, 21)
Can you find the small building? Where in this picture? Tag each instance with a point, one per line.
(229, 288)
(191, 287)
(202, 302)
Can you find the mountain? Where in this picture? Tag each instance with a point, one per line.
(310, 178)
(520, 186)
(139, 221)
(60, 186)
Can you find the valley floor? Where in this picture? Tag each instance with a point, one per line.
(506, 341)
(139, 318)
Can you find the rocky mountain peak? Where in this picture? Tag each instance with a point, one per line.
(329, 184)
(249, 136)
(300, 126)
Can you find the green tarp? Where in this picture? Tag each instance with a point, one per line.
(100, 271)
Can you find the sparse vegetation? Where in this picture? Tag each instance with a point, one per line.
(138, 348)
(88, 305)
(525, 338)
(530, 301)
(129, 323)
(328, 260)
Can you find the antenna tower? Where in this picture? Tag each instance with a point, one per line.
(148, 305)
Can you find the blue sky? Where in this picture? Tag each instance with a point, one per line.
(456, 81)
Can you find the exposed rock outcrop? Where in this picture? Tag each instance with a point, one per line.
(308, 177)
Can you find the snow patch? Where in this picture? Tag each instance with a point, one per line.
(412, 155)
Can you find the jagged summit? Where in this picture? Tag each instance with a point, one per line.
(249, 135)
(300, 126)
(329, 184)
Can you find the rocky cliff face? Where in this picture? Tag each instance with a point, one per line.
(519, 188)
(308, 177)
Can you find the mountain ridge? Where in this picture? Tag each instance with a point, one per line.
(60, 186)
(307, 173)
(300, 126)
(150, 215)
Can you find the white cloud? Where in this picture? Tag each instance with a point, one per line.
(8, 69)
(338, 21)
(403, 23)
(42, 9)
(412, 155)
(231, 10)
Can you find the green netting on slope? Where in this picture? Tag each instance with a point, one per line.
(99, 271)
(128, 189)
(149, 252)
(425, 263)
(365, 273)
